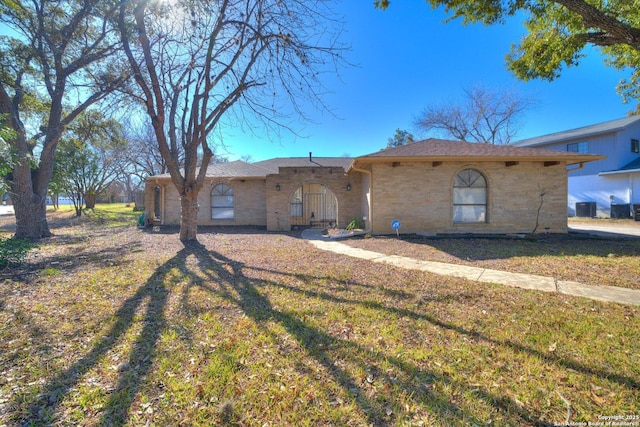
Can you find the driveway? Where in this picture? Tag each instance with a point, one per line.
(623, 229)
(6, 209)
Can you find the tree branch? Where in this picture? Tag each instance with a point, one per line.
(613, 30)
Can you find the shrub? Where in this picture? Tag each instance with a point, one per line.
(356, 223)
(13, 251)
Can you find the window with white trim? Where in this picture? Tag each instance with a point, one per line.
(222, 202)
(469, 197)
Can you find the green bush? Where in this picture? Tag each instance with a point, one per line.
(355, 224)
(13, 251)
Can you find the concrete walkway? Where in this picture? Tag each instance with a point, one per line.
(518, 280)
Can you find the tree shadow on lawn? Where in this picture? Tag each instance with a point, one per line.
(325, 349)
(225, 278)
(150, 299)
(329, 350)
(70, 253)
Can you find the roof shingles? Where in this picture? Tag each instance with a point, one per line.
(443, 149)
(241, 169)
(427, 150)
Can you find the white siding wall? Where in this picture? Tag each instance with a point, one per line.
(623, 154)
(599, 189)
(585, 185)
(616, 146)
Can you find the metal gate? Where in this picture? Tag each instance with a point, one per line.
(313, 206)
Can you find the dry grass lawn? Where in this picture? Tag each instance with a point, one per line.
(110, 325)
(587, 259)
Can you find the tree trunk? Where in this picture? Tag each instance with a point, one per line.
(31, 217)
(189, 221)
(30, 208)
(28, 187)
(78, 208)
(90, 200)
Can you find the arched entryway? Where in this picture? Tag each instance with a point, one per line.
(313, 205)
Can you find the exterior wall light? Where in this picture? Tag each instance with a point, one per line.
(348, 187)
(278, 187)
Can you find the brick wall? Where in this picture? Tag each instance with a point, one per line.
(420, 196)
(248, 198)
(249, 202)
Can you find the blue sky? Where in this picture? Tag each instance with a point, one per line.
(408, 58)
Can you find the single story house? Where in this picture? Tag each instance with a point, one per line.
(607, 187)
(432, 186)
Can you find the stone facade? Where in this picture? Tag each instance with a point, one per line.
(420, 196)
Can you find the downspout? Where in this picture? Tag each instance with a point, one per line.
(368, 172)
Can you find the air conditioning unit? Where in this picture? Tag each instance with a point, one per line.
(586, 209)
(621, 211)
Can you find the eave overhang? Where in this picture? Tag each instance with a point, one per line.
(566, 159)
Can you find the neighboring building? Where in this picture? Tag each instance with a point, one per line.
(62, 200)
(610, 185)
(432, 186)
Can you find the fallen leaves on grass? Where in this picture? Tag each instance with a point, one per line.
(254, 328)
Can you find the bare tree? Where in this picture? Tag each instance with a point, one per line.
(144, 158)
(200, 61)
(56, 52)
(484, 116)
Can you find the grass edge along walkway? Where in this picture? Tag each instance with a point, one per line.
(518, 280)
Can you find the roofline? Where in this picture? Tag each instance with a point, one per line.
(619, 172)
(570, 159)
(575, 134)
(253, 177)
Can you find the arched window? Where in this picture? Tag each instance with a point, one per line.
(222, 202)
(470, 197)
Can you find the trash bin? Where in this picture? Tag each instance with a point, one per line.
(636, 212)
